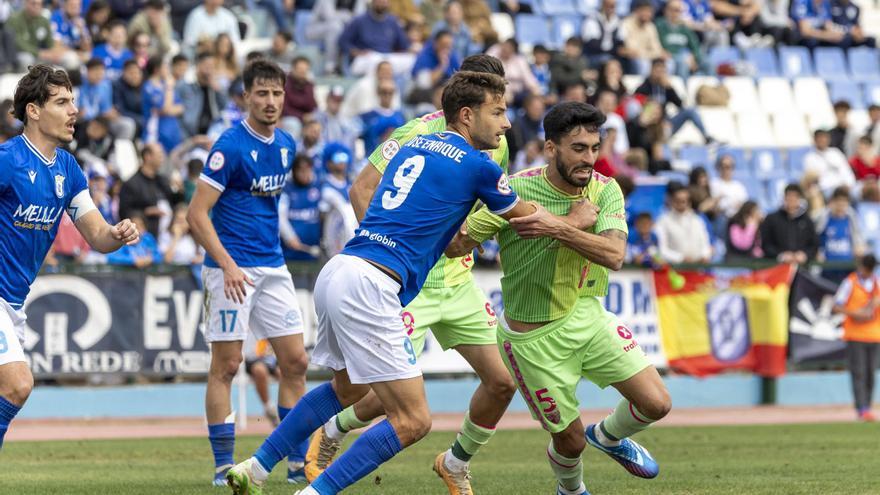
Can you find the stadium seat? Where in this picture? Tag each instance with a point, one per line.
(719, 122)
(815, 122)
(811, 95)
(503, 25)
(7, 85)
(564, 27)
(830, 63)
(859, 120)
(674, 175)
(795, 161)
(125, 157)
(723, 55)
(695, 82)
(303, 17)
(795, 61)
(697, 156)
(872, 93)
(775, 188)
(687, 135)
(679, 86)
(556, 7)
(532, 29)
(623, 7)
(587, 7)
(249, 45)
(743, 95)
(869, 213)
(766, 162)
(864, 63)
(775, 95)
(738, 155)
(764, 61)
(631, 82)
(755, 189)
(848, 90)
(754, 129)
(790, 130)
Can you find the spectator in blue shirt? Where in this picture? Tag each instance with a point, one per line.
(541, 67)
(814, 23)
(698, 16)
(299, 212)
(463, 43)
(140, 255)
(840, 239)
(114, 52)
(642, 246)
(70, 26)
(373, 36)
(845, 15)
(96, 100)
(161, 106)
(377, 122)
(434, 65)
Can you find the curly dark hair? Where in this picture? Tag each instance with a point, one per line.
(36, 87)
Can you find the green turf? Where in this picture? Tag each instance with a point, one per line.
(788, 460)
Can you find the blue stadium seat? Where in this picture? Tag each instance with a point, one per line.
(848, 90)
(723, 55)
(764, 60)
(869, 214)
(532, 29)
(794, 61)
(565, 27)
(623, 7)
(698, 156)
(674, 175)
(872, 93)
(557, 7)
(775, 187)
(864, 63)
(795, 162)
(587, 7)
(739, 157)
(830, 63)
(767, 162)
(648, 198)
(303, 17)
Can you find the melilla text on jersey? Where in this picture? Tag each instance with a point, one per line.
(36, 217)
(268, 185)
(448, 150)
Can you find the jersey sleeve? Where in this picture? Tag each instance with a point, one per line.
(382, 155)
(501, 155)
(80, 201)
(493, 187)
(5, 170)
(612, 214)
(483, 225)
(221, 163)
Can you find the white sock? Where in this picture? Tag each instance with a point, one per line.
(333, 431)
(454, 464)
(603, 439)
(294, 465)
(308, 491)
(566, 491)
(260, 473)
(569, 471)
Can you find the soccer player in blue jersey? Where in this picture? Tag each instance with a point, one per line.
(247, 285)
(38, 183)
(431, 185)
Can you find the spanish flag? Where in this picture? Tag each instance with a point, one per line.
(709, 324)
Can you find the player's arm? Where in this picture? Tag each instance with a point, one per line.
(363, 189)
(102, 236)
(479, 226)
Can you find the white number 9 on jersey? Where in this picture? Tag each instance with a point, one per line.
(403, 183)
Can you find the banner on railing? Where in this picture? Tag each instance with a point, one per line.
(815, 333)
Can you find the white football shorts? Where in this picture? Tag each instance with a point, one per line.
(11, 333)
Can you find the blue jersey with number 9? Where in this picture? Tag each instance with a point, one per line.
(423, 198)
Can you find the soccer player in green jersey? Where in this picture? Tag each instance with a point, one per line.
(554, 330)
(453, 308)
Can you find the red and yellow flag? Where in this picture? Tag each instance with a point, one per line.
(709, 325)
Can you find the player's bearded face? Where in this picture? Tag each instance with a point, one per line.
(265, 100)
(58, 115)
(575, 156)
(490, 123)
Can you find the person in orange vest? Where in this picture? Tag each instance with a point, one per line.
(858, 298)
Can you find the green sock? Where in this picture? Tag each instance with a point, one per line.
(625, 421)
(470, 439)
(347, 420)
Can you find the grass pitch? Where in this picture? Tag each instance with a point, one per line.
(787, 460)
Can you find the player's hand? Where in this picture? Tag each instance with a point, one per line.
(541, 223)
(126, 232)
(234, 281)
(461, 244)
(583, 215)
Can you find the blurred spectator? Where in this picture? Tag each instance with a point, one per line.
(154, 21)
(607, 102)
(432, 13)
(865, 163)
(744, 16)
(477, 17)
(541, 67)
(843, 137)
(70, 28)
(177, 244)
(830, 164)
(299, 212)
(434, 65)
(731, 193)
(870, 192)
(609, 163)
(699, 17)
(642, 246)
(9, 125)
(339, 220)
(532, 155)
(814, 23)
(528, 126)
(179, 68)
(520, 80)
(570, 66)
(69, 245)
(840, 238)
(32, 33)
(114, 52)
(681, 234)
(299, 94)
(463, 44)
(601, 34)
(140, 255)
(7, 41)
(193, 170)
(234, 111)
(657, 88)
(845, 16)
(94, 147)
(208, 21)
(127, 98)
(702, 200)
(100, 193)
(98, 16)
(776, 17)
(203, 99)
(679, 40)
(282, 13)
(576, 91)
(282, 51)
(641, 42)
(374, 36)
(857, 299)
(363, 96)
(148, 192)
(743, 238)
(96, 100)
(312, 146)
(336, 127)
(139, 44)
(873, 128)
(611, 79)
(644, 129)
(812, 193)
(377, 122)
(415, 33)
(329, 18)
(406, 11)
(514, 7)
(161, 108)
(789, 235)
(227, 62)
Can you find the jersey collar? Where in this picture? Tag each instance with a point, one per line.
(584, 191)
(256, 135)
(37, 152)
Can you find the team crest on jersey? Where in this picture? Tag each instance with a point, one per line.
(59, 186)
(217, 161)
(284, 157)
(504, 185)
(390, 148)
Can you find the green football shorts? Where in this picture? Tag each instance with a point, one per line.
(548, 362)
(459, 315)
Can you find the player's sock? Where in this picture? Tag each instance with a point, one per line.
(310, 412)
(374, 447)
(569, 472)
(624, 422)
(347, 421)
(8, 410)
(297, 458)
(332, 430)
(468, 442)
(222, 437)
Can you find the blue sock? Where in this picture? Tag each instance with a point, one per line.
(222, 437)
(312, 411)
(371, 449)
(299, 453)
(8, 410)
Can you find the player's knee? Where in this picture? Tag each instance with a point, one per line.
(225, 368)
(502, 388)
(412, 428)
(19, 389)
(295, 366)
(570, 443)
(657, 405)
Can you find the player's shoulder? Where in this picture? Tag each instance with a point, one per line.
(529, 173)
(283, 138)
(66, 159)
